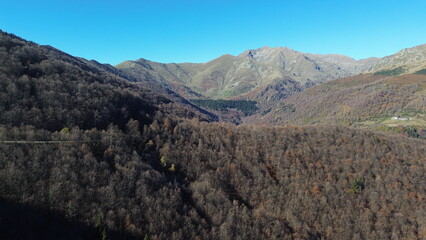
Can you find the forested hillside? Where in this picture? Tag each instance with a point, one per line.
(49, 89)
(375, 101)
(85, 153)
(194, 180)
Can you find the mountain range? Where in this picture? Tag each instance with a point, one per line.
(268, 76)
(93, 151)
(232, 76)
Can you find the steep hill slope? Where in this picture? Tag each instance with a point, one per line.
(54, 108)
(49, 89)
(215, 181)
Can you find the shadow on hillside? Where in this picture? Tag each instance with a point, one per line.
(22, 222)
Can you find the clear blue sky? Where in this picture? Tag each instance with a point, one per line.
(112, 31)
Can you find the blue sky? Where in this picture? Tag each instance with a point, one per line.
(111, 31)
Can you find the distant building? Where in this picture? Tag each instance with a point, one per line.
(400, 118)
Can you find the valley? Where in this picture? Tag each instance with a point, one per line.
(269, 144)
(301, 88)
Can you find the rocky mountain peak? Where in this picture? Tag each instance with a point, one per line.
(405, 58)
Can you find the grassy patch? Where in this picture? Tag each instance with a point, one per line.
(391, 72)
(411, 112)
(387, 123)
(235, 91)
(290, 108)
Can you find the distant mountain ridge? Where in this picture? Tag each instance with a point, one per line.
(230, 76)
(405, 56)
(233, 76)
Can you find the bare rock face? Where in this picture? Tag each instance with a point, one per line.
(409, 60)
(405, 56)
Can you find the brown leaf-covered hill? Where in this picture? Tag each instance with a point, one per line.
(195, 180)
(47, 88)
(368, 100)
